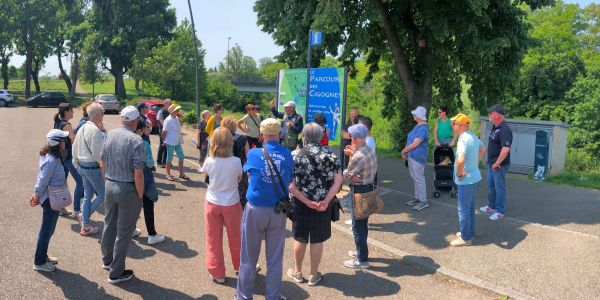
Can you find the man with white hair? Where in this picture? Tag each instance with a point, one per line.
(86, 157)
(261, 220)
(292, 124)
(123, 159)
(161, 116)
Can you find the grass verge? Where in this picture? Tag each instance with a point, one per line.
(583, 179)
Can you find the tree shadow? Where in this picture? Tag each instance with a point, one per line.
(149, 290)
(361, 284)
(164, 186)
(179, 249)
(75, 286)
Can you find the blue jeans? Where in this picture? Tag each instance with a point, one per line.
(360, 228)
(466, 210)
(49, 218)
(78, 194)
(93, 183)
(496, 185)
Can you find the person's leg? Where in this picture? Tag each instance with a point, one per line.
(299, 251)
(78, 193)
(161, 150)
(149, 215)
(129, 211)
(274, 245)
(473, 188)
(316, 252)
(232, 216)
(88, 194)
(360, 230)
(169, 159)
(463, 213)
(97, 181)
(49, 219)
(93, 184)
(254, 222)
(491, 186)
(412, 170)
(180, 158)
(420, 185)
(111, 218)
(213, 228)
(500, 187)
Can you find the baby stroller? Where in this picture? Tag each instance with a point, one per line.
(443, 158)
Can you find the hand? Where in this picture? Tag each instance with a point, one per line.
(356, 179)
(323, 205)
(273, 103)
(34, 201)
(313, 204)
(404, 157)
(349, 150)
(289, 124)
(437, 144)
(403, 152)
(461, 175)
(496, 166)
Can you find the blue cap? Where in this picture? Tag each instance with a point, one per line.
(358, 131)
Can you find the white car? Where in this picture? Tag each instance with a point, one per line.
(6, 98)
(109, 102)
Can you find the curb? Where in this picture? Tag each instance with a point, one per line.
(441, 270)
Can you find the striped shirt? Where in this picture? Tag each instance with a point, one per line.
(123, 151)
(362, 163)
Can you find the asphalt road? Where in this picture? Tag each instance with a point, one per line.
(174, 269)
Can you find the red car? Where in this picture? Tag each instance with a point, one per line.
(155, 106)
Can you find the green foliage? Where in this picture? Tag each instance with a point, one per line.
(189, 117)
(169, 70)
(224, 92)
(240, 66)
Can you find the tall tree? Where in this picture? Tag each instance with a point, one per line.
(121, 24)
(6, 41)
(240, 66)
(68, 38)
(428, 43)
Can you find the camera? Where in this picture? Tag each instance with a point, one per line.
(284, 205)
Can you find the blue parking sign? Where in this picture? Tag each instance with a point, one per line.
(315, 38)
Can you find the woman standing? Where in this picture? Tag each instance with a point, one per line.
(222, 206)
(442, 133)
(416, 153)
(215, 120)
(317, 179)
(202, 138)
(240, 150)
(61, 122)
(51, 172)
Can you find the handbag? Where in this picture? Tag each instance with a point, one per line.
(366, 204)
(336, 206)
(59, 196)
(286, 198)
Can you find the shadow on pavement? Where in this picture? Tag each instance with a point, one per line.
(179, 249)
(75, 286)
(363, 284)
(397, 267)
(137, 252)
(289, 289)
(148, 290)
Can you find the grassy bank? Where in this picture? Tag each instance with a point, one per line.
(577, 179)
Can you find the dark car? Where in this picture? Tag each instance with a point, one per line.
(47, 99)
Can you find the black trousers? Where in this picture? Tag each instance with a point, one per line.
(149, 215)
(161, 157)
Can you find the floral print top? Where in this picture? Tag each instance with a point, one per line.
(315, 167)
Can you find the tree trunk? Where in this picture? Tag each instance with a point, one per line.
(5, 59)
(64, 74)
(137, 84)
(28, 59)
(75, 73)
(35, 70)
(117, 71)
(418, 91)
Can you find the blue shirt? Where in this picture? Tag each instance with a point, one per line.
(51, 173)
(420, 153)
(260, 188)
(468, 145)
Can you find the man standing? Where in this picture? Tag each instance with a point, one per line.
(292, 124)
(249, 124)
(171, 133)
(123, 158)
(361, 175)
(469, 152)
(260, 219)
(499, 143)
(162, 114)
(346, 139)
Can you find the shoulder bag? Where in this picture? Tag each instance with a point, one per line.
(286, 197)
(366, 204)
(59, 196)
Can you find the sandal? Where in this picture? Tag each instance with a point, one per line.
(88, 230)
(170, 178)
(183, 176)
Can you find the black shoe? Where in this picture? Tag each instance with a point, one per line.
(127, 274)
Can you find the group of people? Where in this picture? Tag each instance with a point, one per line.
(259, 174)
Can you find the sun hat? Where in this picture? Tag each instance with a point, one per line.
(129, 113)
(270, 126)
(173, 108)
(420, 112)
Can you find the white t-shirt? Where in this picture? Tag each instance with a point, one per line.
(223, 172)
(370, 142)
(173, 128)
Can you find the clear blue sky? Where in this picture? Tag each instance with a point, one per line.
(215, 22)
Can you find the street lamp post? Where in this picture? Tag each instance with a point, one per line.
(196, 65)
(229, 38)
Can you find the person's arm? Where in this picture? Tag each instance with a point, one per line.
(482, 150)
(241, 122)
(505, 142)
(69, 128)
(75, 148)
(44, 175)
(354, 167)
(139, 182)
(503, 154)
(300, 196)
(333, 190)
(299, 124)
(276, 113)
(165, 130)
(435, 135)
(412, 146)
(210, 126)
(96, 145)
(460, 166)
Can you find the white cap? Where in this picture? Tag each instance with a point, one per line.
(420, 112)
(290, 104)
(129, 113)
(55, 135)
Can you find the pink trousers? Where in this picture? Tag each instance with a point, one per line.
(215, 217)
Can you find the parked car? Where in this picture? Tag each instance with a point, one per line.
(109, 102)
(6, 98)
(47, 99)
(155, 106)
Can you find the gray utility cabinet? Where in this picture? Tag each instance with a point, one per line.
(522, 152)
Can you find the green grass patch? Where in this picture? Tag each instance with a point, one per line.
(55, 85)
(108, 87)
(577, 179)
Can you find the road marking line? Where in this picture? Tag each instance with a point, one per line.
(583, 234)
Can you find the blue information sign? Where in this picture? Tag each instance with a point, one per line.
(315, 38)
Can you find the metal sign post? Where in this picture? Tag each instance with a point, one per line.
(314, 39)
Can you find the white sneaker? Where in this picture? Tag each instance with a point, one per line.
(486, 209)
(155, 239)
(355, 264)
(348, 222)
(353, 253)
(47, 267)
(496, 216)
(136, 233)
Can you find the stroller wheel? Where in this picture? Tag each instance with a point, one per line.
(436, 194)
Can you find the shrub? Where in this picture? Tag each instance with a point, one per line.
(189, 117)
